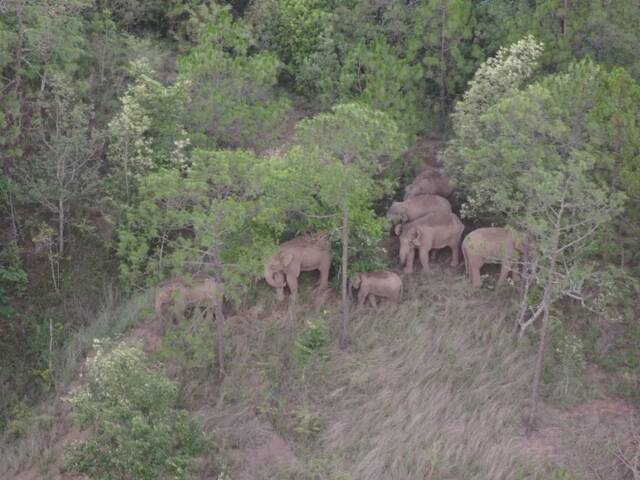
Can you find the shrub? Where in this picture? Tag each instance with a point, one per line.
(312, 343)
(138, 432)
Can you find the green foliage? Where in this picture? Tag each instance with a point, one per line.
(358, 147)
(312, 343)
(192, 345)
(373, 75)
(441, 41)
(139, 432)
(604, 31)
(569, 362)
(211, 217)
(495, 79)
(147, 134)
(232, 90)
(308, 424)
(294, 29)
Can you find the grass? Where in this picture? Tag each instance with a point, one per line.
(434, 388)
(440, 394)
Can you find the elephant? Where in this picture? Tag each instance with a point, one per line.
(376, 284)
(436, 230)
(179, 294)
(493, 245)
(416, 207)
(301, 254)
(431, 182)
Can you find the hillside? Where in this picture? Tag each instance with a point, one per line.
(433, 388)
(170, 168)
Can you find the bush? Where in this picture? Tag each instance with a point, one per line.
(139, 433)
(312, 343)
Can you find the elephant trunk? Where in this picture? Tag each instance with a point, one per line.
(269, 276)
(404, 250)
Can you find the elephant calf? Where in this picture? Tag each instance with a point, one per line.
(416, 207)
(377, 284)
(436, 230)
(492, 245)
(175, 296)
(301, 254)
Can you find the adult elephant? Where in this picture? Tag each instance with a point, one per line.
(433, 231)
(493, 245)
(416, 207)
(175, 296)
(301, 254)
(429, 182)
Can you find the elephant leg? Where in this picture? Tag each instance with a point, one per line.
(373, 301)
(292, 281)
(324, 274)
(455, 254)
(474, 266)
(504, 271)
(280, 294)
(424, 257)
(362, 297)
(408, 266)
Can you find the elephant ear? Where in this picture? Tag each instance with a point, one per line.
(415, 235)
(287, 258)
(398, 229)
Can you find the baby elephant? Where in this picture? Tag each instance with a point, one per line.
(377, 284)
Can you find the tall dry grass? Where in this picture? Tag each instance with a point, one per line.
(440, 391)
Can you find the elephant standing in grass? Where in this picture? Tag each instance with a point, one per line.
(436, 230)
(174, 297)
(301, 254)
(493, 245)
(377, 284)
(416, 207)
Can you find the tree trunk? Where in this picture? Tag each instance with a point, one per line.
(60, 226)
(443, 67)
(220, 333)
(344, 336)
(546, 306)
(535, 392)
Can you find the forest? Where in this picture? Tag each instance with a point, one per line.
(326, 179)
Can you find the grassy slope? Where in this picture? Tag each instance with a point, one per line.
(434, 388)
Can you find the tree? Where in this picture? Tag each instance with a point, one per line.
(215, 217)
(443, 43)
(533, 162)
(138, 430)
(356, 144)
(496, 78)
(66, 171)
(372, 74)
(148, 133)
(232, 96)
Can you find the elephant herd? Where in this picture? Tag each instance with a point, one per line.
(424, 221)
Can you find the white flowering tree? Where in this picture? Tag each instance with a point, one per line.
(147, 133)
